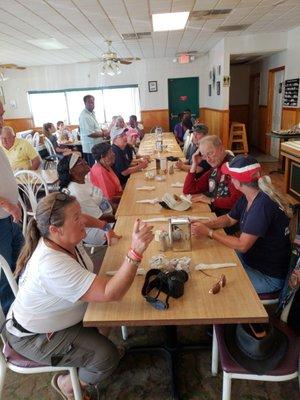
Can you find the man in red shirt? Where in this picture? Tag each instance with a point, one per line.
(213, 187)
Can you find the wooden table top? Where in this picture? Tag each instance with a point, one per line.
(147, 146)
(236, 302)
(129, 206)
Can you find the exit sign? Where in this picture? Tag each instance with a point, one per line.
(183, 59)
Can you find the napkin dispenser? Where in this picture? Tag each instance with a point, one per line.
(161, 165)
(180, 234)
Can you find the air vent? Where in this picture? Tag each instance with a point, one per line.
(209, 14)
(135, 36)
(232, 28)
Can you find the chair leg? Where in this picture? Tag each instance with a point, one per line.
(214, 354)
(124, 332)
(3, 370)
(226, 393)
(75, 384)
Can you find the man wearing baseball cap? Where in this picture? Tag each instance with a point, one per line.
(213, 187)
(198, 132)
(264, 246)
(122, 166)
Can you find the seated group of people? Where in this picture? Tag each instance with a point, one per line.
(56, 278)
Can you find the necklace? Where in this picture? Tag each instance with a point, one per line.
(74, 256)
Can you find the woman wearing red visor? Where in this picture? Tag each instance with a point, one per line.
(264, 244)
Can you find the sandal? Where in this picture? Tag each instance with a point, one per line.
(55, 386)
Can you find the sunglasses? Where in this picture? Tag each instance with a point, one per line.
(217, 286)
(62, 197)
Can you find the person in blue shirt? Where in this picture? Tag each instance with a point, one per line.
(122, 166)
(182, 126)
(264, 246)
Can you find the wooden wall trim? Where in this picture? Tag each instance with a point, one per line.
(214, 109)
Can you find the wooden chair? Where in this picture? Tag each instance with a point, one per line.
(12, 360)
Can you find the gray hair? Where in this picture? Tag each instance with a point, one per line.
(213, 139)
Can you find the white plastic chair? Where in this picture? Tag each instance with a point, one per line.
(10, 364)
(31, 185)
(25, 217)
(36, 140)
(29, 139)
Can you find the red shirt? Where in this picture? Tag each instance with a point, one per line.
(215, 185)
(106, 180)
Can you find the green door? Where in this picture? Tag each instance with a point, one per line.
(183, 94)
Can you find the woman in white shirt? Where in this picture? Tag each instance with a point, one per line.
(44, 323)
(72, 170)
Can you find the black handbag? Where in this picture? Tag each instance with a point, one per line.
(169, 282)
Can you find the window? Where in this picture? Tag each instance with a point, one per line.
(66, 105)
(48, 107)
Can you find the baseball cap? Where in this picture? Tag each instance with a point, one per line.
(200, 128)
(115, 132)
(243, 168)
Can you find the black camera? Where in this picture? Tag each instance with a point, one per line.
(170, 283)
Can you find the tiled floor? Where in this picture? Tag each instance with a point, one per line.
(146, 377)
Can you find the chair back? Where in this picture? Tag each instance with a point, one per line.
(36, 140)
(31, 187)
(49, 147)
(29, 138)
(24, 216)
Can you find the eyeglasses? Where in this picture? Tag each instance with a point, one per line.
(62, 197)
(217, 286)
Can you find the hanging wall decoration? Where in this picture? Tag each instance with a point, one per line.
(291, 93)
(218, 88)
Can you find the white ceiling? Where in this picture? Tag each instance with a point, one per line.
(84, 25)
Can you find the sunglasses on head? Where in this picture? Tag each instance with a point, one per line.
(61, 197)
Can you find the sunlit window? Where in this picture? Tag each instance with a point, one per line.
(48, 107)
(67, 105)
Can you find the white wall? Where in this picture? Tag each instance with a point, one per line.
(218, 56)
(82, 75)
(239, 84)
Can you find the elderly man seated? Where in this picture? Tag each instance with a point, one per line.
(122, 166)
(20, 153)
(213, 187)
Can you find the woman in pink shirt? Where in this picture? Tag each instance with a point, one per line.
(102, 174)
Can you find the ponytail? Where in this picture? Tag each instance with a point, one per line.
(32, 238)
(265, 185)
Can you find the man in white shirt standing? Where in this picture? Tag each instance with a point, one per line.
(11, 238)
(90, 131)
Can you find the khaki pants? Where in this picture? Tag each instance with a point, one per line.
(95, 356)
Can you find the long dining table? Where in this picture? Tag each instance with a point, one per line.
(237, 302)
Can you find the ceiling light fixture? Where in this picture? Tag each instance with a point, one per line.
(47, 44)
(3, 78)
(110, 67)
(169, 21)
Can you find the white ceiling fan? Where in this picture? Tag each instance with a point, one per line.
(4, 67)
(110, 62)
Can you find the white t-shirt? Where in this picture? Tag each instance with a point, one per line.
(50, 289)
(88, 197)
(8, 185)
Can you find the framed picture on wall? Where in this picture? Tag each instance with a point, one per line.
(209, 90)
(218, 88)
(152, 86)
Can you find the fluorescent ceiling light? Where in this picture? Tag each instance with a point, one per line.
(47, 44)
(169, 21)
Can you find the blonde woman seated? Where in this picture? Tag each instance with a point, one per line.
(264, 246)
(72, 171)
(56, 284)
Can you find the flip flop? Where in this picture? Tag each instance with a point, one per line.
(55, 386)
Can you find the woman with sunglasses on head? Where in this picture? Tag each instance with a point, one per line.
(72, 171)
(264, 246)
(56, 283)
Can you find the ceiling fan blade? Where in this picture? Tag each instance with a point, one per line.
(125, 62)
(11, 66)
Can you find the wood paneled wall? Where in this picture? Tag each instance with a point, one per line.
(290, 117)
(20, 124)
(239, 113)
(152, 118)
(217, 122)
